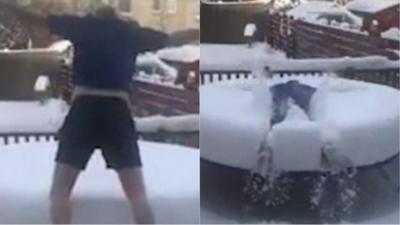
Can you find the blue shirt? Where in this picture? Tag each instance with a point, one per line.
(105, 49)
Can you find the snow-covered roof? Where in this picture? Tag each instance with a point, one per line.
(371, 6)
(311, 11)
(186, 53)
(392, 33)
(239, 2)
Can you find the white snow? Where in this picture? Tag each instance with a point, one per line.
(361, 119)
(334, 64)
(371, 6)
(222, 2)
(314, 11)
(235, 57)
(156, 79)
(171, 175)
(186, 53)
(220, 57)
(231, 125)
(152, 60)
(296, 143)
(163, 73)
(34, 116)
(60, 46)
(185, 123)
(392, 33)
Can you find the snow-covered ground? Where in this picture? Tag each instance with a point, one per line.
(171, 175)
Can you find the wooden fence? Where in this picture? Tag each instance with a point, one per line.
(158, 99)
(147, 98)
(300, 39)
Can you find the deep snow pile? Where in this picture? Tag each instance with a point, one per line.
(233, 130)
(171, 175)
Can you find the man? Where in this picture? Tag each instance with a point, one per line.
(105, 50)
(259, 182)
(249, 32)
(301, 95)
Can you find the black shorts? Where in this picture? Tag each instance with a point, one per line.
(99, 122)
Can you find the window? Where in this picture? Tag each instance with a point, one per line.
(157, 5)
(172, 6)
(124, 6)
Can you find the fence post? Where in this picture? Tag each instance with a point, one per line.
(294, 39)
(283, 33)
(66, 82)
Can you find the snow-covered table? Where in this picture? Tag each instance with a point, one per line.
(171, 175)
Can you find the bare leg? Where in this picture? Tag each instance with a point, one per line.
(135, 191)
(64, 179)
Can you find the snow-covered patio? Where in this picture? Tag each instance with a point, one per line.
(171, 175)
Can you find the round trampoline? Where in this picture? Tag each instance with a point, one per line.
(360, 119)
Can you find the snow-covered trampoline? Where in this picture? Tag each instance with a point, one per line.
(360, 119)
(25, 176)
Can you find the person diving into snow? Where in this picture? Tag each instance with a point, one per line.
(263, 175)
(105, 50)
(266, 183)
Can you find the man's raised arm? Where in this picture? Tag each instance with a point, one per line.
(151, 40)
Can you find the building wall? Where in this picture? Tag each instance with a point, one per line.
(173, 15)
